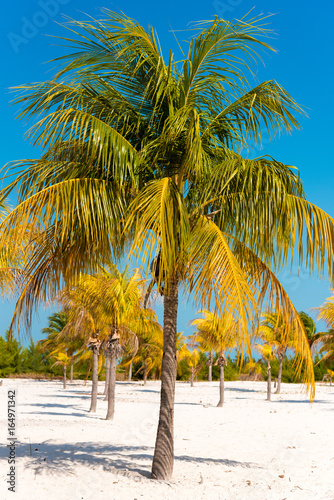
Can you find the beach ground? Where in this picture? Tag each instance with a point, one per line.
(249, 449)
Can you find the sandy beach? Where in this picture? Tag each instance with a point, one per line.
(249, 449)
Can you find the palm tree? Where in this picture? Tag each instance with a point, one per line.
(131, 142)
(217, 333)
(150, 348)
(193, 359)
(310, 328)
(57, 333)
(273, 330)
(268, 353)
(63, 360)
(84, 322)
(326, 339)
(116, 299)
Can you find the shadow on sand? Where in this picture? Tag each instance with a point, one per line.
(49, 457)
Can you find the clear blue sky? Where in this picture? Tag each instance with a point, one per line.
(303, 65)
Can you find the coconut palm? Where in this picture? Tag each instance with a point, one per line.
(146, 149)
(310, 328)
(63, 360)
(220, 334)
(326, 339)
(58, 334)
(116, 298)
(268, 354)
(193, 359)
(150, 348)
(85, 323)
(272, 330)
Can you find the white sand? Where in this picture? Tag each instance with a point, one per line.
(249, 449)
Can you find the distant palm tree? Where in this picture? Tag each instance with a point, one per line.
(219, 334)
(58, 334)
(326, 339)
(150, 348)
(273, 330)
(310, 328)
(63, 360)
(268, 354)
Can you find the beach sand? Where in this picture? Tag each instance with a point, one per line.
(249, 449)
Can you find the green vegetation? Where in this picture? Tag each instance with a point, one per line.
(17, 360)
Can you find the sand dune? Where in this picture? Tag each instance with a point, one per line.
(249, 449)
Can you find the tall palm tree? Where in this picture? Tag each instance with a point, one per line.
(134, 143)
(220, 334)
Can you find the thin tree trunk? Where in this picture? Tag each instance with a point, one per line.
(106, 385)
(269, 382)
(192, 377)
(145, 371)
(95, 380)
(221, 386)
(130, 373)
(210, 366)
(71, 371)
(280, 369)
(210, 374)
(163, 459)
(64, 379)
(112, 387)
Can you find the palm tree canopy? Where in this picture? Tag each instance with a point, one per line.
(218, 333)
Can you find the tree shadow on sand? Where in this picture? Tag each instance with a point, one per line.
(49, 457)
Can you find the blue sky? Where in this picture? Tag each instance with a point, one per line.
(304, 42)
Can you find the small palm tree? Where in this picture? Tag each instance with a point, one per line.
(57, 331)
(329, 376)
(326, 339)
(193, 358)
(268, 354)
(273, 330)
(63, 360)
(220, 334)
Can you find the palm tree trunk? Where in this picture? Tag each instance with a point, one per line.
(163, 459)
(112, 387)
(145, 371)
(130, 373)
(88, 372)
(71, 371)
(278, 390)
(269, 382)
(191, 377)
(95, 380)
(210, 366)
(221, 387)
(106, 385)
(64, 379)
